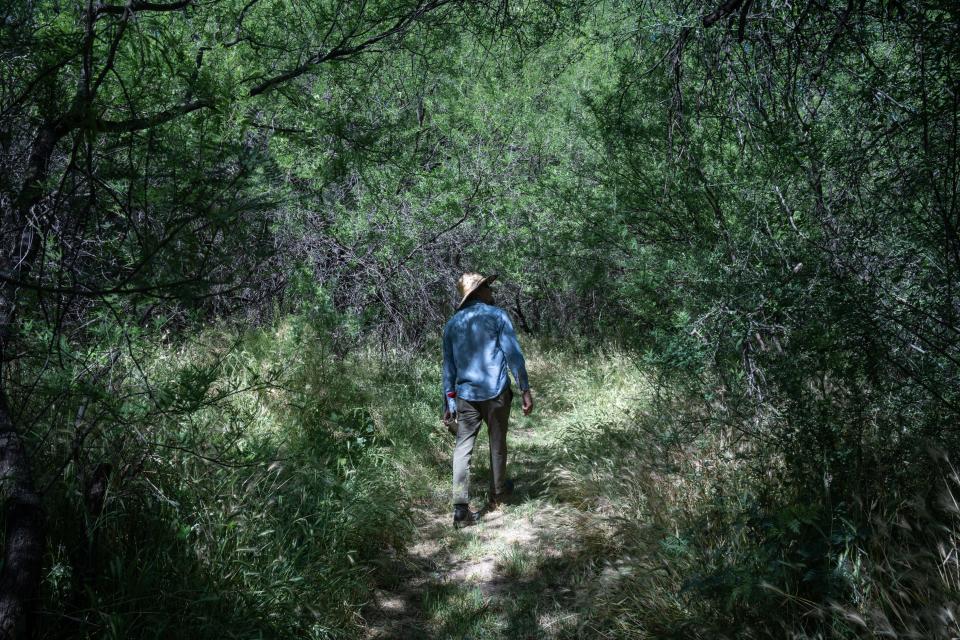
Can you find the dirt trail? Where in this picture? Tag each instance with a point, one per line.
(511, 576)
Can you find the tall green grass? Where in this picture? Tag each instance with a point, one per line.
(701, 533)
(263, 482)
(256, 488)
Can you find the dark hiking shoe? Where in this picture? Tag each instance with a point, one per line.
(463, 517)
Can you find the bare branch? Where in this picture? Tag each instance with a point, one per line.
(467, 210)
(91, 292)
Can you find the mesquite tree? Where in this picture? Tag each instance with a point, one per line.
(787, 216)
(132, 189)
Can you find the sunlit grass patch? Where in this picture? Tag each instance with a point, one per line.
(518, 560)
(459, 611)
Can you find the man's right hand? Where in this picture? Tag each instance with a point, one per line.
(527, 402)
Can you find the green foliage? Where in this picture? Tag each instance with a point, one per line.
(754, 204)
(272, 480)
(783, 254)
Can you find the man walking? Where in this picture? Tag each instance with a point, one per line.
(479, 345)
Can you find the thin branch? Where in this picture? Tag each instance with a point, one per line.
(467, 209)
(341, 51)
(90, 292)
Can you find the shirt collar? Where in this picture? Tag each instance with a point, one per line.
(470, 303)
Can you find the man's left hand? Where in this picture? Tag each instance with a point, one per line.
(527, 402)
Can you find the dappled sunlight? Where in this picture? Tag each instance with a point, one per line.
(238, 245)
(530, 566)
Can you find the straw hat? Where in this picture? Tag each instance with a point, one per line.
(470, 282)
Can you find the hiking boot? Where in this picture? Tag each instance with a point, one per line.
(496, 499)
(463, 517)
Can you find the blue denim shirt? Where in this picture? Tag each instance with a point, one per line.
(479, 344)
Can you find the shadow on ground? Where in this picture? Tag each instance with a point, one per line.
(532, 567)
(522, 573)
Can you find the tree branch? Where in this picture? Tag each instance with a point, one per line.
(467, 210)
(92, 292)
(721, 12)
(342, 51)
(138, 124)
(117, 9)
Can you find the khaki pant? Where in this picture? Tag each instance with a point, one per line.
(496, 413)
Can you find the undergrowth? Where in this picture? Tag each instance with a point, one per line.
(264, 482)
(252, 492)
(704, 534)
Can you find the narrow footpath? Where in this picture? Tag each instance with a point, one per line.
(511, 576)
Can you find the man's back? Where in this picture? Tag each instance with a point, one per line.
(479, 345)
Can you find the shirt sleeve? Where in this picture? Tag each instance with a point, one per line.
(511, 350)
(449, 381)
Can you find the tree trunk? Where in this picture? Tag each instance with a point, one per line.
(23, 552)
(521, 319)
(23, 516)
